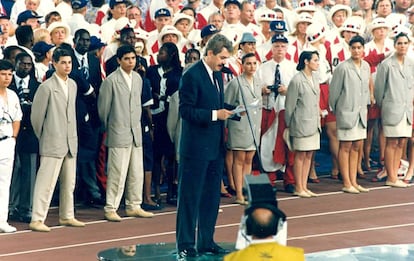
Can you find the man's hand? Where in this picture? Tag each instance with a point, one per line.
(223, 114)
(265, 90)
(282, 89)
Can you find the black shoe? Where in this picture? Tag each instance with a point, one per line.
(187, 254)
(25, 218)
(172, 200)
(95, 202)
(289, 188)
(148, 207)
(215, 250)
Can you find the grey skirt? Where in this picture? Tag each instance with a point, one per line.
(402, 129)
(306, 143)
(358, 132)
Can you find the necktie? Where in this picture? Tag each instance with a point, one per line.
(20, 88)
(84, 68)
(277, 76)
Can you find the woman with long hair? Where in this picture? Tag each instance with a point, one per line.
(302, 116)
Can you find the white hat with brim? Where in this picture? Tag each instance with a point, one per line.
(306, 6)
(315, 32)
(378, 22)
(63, 25)
(394, 20)
(353, 24)
(267, 15)
(302, 18)
(337, 8)
(400, 30)
(180, 16)
(169, 29)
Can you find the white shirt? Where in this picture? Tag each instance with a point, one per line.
(10, 112)
(266, 72)
(64, 85)
(127, 77)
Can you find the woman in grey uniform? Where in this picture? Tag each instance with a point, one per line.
(302, 116)
(348, 98)
(244, 90)
(394, 95)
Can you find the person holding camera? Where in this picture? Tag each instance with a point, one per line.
(273, 120)
(263, 222)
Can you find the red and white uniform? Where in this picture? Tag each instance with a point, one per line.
(204, 14)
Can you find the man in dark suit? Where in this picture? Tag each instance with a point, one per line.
(25, 85)
(201, 151)
(87, 68)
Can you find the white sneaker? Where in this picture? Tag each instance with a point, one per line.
(6, 228)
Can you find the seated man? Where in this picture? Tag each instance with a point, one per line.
(263, 222)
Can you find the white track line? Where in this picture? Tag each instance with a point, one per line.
(233, 225)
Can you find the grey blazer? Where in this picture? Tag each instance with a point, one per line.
(240, 134)
(54, 118)
(120, 110)
(349, 94)
(302, 106)
(394, 90)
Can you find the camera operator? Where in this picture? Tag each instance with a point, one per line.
(263, 222)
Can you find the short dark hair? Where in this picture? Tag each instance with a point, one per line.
(401, 34)
(49, 15)
(247, 55)
(79, 32)
(21, 55)
(189, 52)
(357, 39)
(5, 65)
(24, 34)
(9, 50)
(185, 8)
(60, 52)
(305, 55)
(217, 43)
(124, 49)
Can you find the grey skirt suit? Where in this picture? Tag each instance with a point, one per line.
(394, 95)
(239, 132)
(302, 112)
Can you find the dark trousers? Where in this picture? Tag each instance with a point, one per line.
(198, 201)
(22, 184)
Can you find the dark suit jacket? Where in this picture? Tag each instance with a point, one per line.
(26, 140)
(201, 137)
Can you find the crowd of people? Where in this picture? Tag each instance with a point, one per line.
(122, 96)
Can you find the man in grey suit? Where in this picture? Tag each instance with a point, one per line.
(119, 107)
(54, 123)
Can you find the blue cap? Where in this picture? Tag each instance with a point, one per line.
(78, 4)
(113, 3)
(96, 43)
(247, 38)
(209, 29)
(162, 12)
(232, 2)
(279, 38)
(41, 48)
(25, 15)
(4, 16)
(278, 26)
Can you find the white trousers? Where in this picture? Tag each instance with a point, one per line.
(125, 171)
(6, 169)
(49, 171)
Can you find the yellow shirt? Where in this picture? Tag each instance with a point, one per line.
(267, 252)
